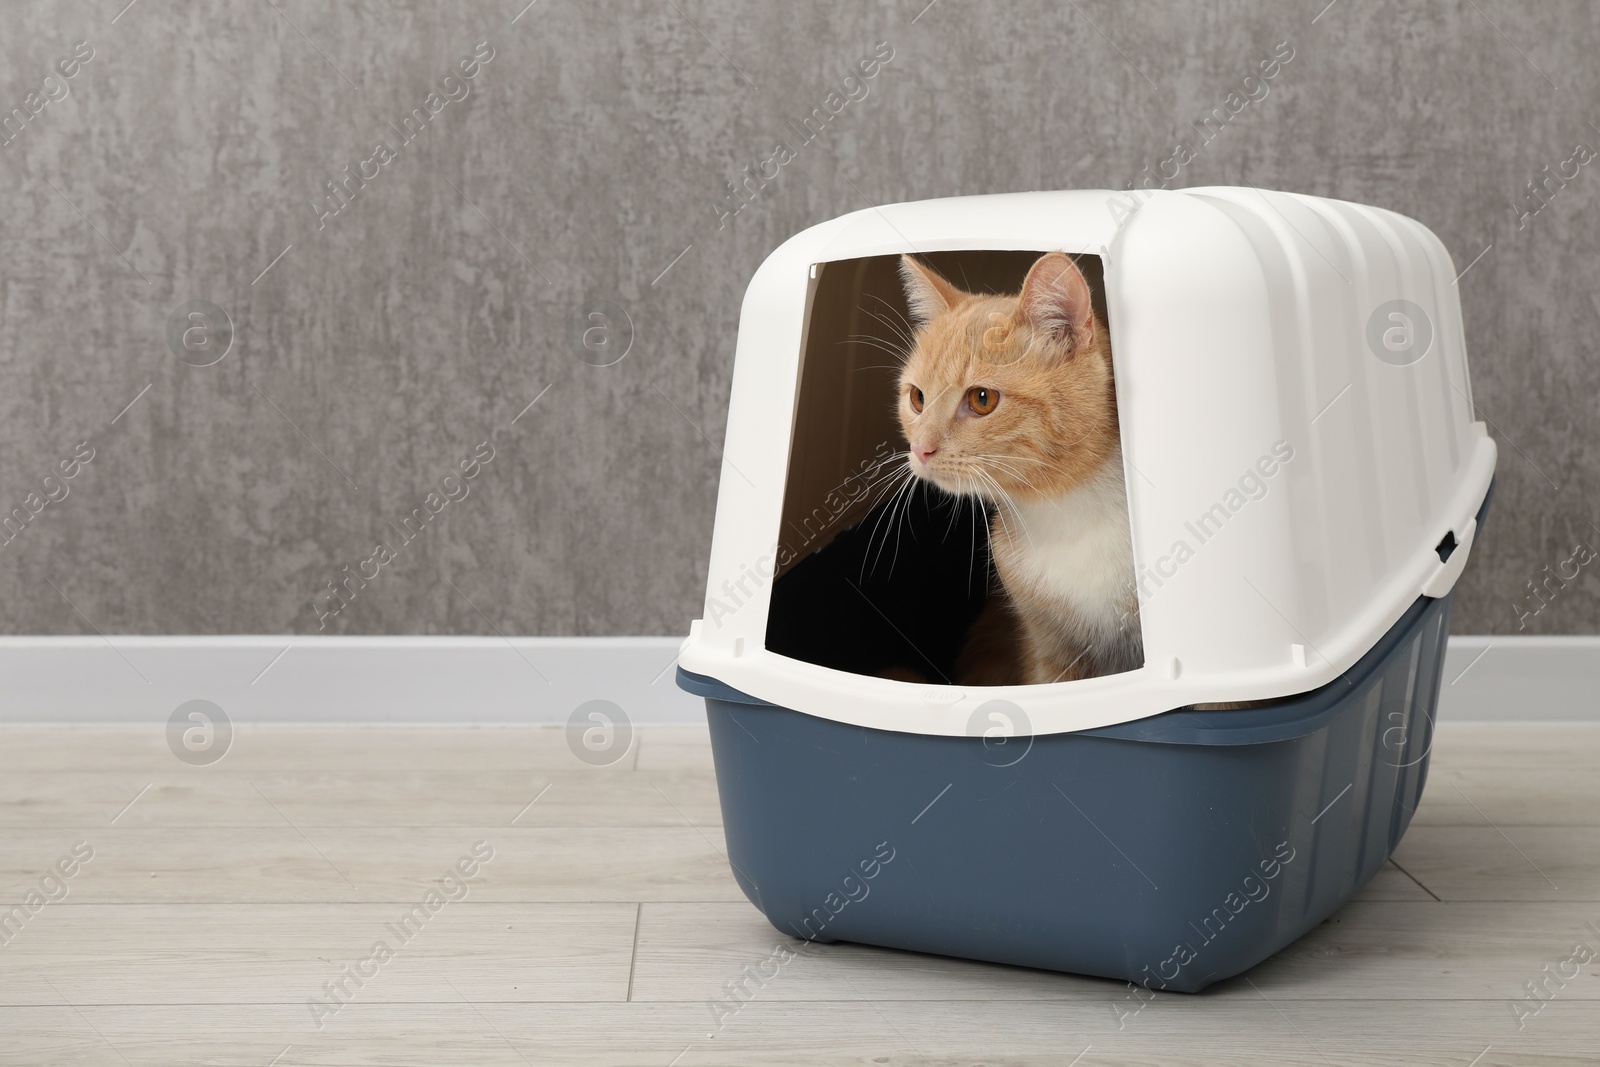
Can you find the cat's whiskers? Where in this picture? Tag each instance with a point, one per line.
(898, 339)
(895, 457)
(890, 488)
(973, 555)
(955, 503)
(980, 505)
(889, 479)
(893, 309)
(873, 342)
(1050, 499)
(883, 513)
(900, 325)
(1004, 503)
(969, 495)
(878, 478)
(1004, 467)
(1000, 513)
(905, 483)
(905, 513)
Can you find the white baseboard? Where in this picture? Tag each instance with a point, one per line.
(1521, 679)
(542, 680)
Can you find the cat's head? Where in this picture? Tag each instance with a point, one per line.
(1007, 396)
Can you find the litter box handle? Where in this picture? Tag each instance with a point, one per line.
(1443, 577)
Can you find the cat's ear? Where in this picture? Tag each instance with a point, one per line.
(926, 292)
(1055, 300)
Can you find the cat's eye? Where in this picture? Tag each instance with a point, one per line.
(916, 398)
(982, 400)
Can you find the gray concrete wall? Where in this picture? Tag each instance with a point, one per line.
(590, 153)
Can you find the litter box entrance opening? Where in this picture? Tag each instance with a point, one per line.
(878, 573)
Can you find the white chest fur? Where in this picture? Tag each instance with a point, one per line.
(1076, 550)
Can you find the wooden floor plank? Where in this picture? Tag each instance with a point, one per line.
(1411, 951)
(606, 929)
(694, 952)
(1544, 748)
(253, 954)
(135, 865)
(1510, 796)
(665, 748)
(354, 796)
(1392, 883)
(1559, 863)
(1174, 1029)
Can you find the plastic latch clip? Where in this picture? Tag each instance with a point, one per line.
(1452, 552)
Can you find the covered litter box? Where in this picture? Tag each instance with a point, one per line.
(1305, 480)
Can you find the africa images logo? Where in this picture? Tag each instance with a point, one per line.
(1399, 332)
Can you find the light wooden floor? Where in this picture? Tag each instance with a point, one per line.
(221, 899)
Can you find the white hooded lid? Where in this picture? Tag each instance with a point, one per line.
(1297, 430)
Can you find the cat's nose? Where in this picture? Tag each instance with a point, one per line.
(922, 452)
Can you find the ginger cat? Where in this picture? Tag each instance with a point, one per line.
(1010, 399)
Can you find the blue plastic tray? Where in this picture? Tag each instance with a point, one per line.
(1172, 851)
